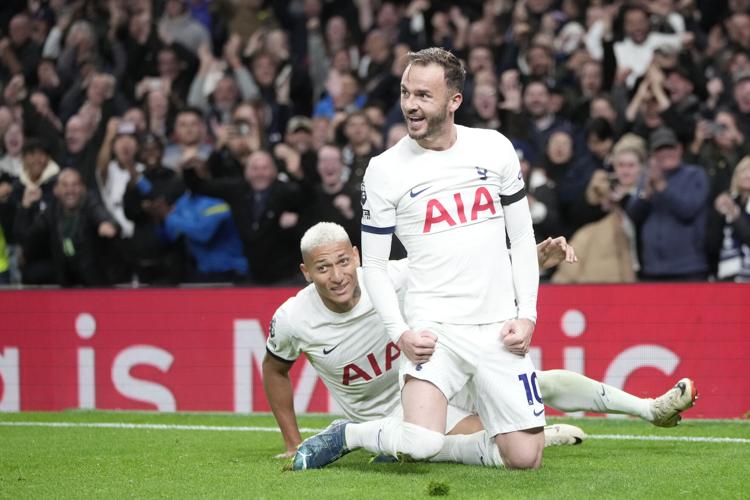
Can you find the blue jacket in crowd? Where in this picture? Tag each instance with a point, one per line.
(674, 224)
(211, 236)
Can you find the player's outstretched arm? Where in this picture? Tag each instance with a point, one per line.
(553, 251)
(280, 395)
(375, 251)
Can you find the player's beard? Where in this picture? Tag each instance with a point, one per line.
(434, 124)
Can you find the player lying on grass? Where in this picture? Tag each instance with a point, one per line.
(333, 323)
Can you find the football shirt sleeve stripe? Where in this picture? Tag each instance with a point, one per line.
(512, 198)
(378, 230)
(276, 356)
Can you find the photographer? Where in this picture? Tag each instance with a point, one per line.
(718, 145)
(607, 247)
(235, 141)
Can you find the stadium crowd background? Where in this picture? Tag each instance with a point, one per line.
(194, 140)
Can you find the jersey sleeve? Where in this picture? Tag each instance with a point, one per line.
(397, 271)
(282, 343)
(378, 211)
(511, 177)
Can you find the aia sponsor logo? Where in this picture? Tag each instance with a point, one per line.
(456, 211)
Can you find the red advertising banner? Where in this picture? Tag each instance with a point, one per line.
(201, 349)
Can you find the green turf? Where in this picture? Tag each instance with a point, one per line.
(44, 462)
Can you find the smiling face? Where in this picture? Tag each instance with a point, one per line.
(627, 167)
(427, 103)
(69, 189)
(332, 267)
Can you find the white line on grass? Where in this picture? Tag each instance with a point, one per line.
(164, 427)
(231, 428)
(693, 439)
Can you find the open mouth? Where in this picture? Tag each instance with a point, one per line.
(340, 289)
(415, 120)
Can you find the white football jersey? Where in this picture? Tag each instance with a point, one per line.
(446, 208)
(351, 351)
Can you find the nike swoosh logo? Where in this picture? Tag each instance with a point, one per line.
(328, 351)
(536, 414)
(414, 195)
(603, 392)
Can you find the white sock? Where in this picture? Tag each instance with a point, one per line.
(470, 449)
(369, 435)
(569, 391)
(393, 435)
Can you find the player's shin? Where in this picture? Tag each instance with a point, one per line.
(569, 391)
(392, 436)
(470, 449)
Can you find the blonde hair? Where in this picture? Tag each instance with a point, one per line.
(631, 143)
(322, 233)
(743, 165)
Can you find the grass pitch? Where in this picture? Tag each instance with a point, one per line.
(230, 456)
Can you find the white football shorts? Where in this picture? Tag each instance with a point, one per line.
(501, 386)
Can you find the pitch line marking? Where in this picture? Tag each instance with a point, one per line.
(231, 428)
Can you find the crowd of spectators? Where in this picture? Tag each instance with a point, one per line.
(172, 141)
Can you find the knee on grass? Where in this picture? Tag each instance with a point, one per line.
(421, 443)
(521, 454)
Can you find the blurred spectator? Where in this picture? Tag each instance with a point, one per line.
(177, 24)
(486, 104)
(293, 76)
(19, 53)
(335, 200)
(235, 141)
(266, 212)
(7, 212)
(397, 132)
(10, 162)
(334, 45)
(216, 90)
(189, 138)
(246, 17)
(542, 119)
(729, 228)
(74, 227)
(634, 52)
(359, 147)
(566, 173)
(32, 190)
(343, 95)
(209, 232)
(299, 136)
(159, 112)
(151, 258)
(607, 247)
(117, 164)
(741, 100)
(175, 69)
(671, 207)
(718, 145)
(274, 83)
(542, 196)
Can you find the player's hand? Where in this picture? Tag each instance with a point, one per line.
(286, 454)
(417, 346)
(552, 252)
(516, 335)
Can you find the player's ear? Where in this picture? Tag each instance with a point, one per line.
(305, 273)
(455, 102)
(356, 256)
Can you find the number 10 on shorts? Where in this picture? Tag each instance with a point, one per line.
(529, 386)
